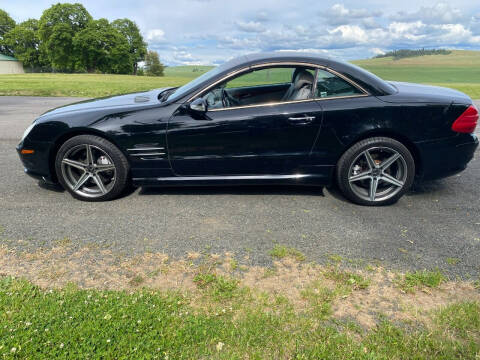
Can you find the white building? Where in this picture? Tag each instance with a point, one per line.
(10, 65)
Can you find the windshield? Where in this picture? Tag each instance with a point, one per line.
(182, 90)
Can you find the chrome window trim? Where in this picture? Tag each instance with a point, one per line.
(286, 64)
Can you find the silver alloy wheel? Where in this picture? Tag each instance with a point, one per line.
(88, 170)
(377, 174)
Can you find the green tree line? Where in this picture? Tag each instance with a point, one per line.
(406, 53)
(67, 39)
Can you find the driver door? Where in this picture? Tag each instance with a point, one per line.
(252, 132)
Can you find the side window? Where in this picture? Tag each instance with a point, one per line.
(269, 76)
(263, 86)
(330, 85)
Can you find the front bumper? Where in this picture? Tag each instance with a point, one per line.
(446, 157)
(36, 165)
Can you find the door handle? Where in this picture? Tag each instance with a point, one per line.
(301, 120)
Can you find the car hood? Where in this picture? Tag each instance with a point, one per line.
(416, 93)
(139, 99)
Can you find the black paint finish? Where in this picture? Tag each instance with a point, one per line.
(261, 144)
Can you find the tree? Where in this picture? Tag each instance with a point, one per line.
(59, 48)
(138, 48)
(24, 41)
(153, 66)
(66, 38)
(57, 27)
(6, 25)
(101, 47)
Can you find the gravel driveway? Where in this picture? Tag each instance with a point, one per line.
(437, 225)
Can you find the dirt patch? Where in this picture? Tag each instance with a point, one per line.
(100, 269)
(103, 269)
(383, 298)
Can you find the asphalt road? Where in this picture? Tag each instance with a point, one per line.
(436, 225)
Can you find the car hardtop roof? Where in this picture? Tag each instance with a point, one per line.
(280, 56)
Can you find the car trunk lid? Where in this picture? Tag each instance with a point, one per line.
(417, 93)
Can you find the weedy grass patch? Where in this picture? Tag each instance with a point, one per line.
(346, 278)
(149, 324)
(219, 287)
(281, 252)
(413, 281)
(96, 304)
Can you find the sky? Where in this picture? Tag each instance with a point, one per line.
(186, 32)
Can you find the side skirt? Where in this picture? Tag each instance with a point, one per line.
(294, 179)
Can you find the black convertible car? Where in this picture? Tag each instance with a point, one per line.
(279, 118)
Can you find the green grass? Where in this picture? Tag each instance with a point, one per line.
(78, 324)
(187, 71)
(461, 318)
(459, 70)
(82, 85)
(281, 252)
(94, 85)
(420, 279)
(452, 261)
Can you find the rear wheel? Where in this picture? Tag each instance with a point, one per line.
(92, 168)
(376, 171)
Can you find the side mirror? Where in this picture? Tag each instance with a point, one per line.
(199, 106)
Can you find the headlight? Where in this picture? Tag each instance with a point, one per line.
(27, 131)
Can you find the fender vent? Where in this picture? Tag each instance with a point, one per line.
(147, 153)
(141, 99)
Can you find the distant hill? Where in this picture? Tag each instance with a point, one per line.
(459, 70)
(455, 58)
(187, 71)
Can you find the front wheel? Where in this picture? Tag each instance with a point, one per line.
(91, 168)
(375, 171)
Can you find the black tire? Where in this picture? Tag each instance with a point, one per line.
(360, 191)
(118, 178)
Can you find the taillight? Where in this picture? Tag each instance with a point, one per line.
(467, 122)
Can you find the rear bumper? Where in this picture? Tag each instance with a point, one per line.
(37, 164)
(446, 157)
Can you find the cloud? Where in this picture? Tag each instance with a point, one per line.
(312, 51)
(338, 14)
(185, 58)
(370, 23)
(407, 30)
(350, 34)
(155, 36)
(232, 42)
(475, 24)
(377, 51)
(251, 26)
(212, 31)
(261, 16)
(440, 13)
